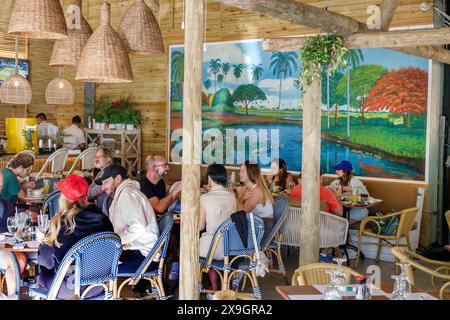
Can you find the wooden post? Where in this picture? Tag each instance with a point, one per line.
(309, 223)
(192, 134)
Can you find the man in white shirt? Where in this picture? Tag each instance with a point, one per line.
(74, 136)
(45, 128)
(132, 217)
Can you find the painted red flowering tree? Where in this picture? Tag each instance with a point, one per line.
(401, 92)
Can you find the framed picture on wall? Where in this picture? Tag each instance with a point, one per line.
(7, 66)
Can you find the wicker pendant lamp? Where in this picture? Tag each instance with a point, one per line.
(105, 58)
(60, 90)
(67, 52)
(40, 19)
(16, 89)
(140, 31)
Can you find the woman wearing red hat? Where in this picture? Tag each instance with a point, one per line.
(74, 221)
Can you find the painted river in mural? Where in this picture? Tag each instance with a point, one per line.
(290, 136)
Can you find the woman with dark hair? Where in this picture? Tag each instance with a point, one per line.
(347, 184)
(216, 206)
(255, 196)
(280, 176)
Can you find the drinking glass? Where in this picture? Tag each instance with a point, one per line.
(338, 189)
(12, 226)
(43, 222)
(398, 293)
(341, 279)
(332, 291)
(46, 186)
(403, 279)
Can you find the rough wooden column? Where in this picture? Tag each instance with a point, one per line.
(192, 129)
(309, 223)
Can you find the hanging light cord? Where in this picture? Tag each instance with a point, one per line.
(16, 65)
(204, 27)
(182, 21)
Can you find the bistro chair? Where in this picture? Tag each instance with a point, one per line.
(145, 270)
(56, 161)
(272, 238)
(237, 259)
(333, 231)
(316, 274)
(95, 261)
(405, 224)
(87, 159)
(414, 260)
(51, 204)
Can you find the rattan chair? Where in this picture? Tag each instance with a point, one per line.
(407, 218)
(237, 259)
(442, 272)
(96, 258)
(145, 270)
(51, 203)
(271, 243)
(87, 159)
(57, 160)
(315, 274)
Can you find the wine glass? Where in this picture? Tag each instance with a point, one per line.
(403, 278)
(398, 293)
(341, 279)
(12, 226)
(332, 291)
(43, 222)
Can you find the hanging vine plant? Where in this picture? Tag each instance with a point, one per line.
(322, 50)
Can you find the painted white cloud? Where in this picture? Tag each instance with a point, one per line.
(230, 53)
(274, 84)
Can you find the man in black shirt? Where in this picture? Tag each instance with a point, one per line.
(154, 187)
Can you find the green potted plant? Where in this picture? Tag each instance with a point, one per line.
(322, 51)
(28, 134)
(101, 111)
(132, 120)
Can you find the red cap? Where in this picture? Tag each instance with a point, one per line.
(74, 187)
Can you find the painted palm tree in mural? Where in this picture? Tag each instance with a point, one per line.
(237, 71)
(354, 58)
(214, 68)
(299, 86)
(225, 69)
(257, 72)
(207, 84)
(283, 64)
(220, 78)
(177, 69)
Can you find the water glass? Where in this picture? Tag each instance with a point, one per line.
(403, 278)
(332, 291)
(43, 222)
(12, 226)
(46, 185)
(341, 279)
(398, 293)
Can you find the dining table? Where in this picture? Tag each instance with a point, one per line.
(315, 292)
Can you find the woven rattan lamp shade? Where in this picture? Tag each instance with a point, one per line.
(16, 89)
(60, 91)
(140, 31)
(41, 19)
(67, 52)
(104, 58)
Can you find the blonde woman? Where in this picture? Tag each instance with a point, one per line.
(255, 196)
(74, 221)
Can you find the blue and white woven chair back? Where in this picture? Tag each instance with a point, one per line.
(51, 203)
(233, 245)
(280, 210)
(96, 260)
(165, 227)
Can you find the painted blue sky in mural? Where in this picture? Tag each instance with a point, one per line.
(250, 53)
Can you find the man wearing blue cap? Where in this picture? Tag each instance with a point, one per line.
(348, 184)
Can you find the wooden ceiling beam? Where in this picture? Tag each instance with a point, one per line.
(378, 39)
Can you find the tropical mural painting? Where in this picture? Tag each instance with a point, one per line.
(374, 112)
(7, 66)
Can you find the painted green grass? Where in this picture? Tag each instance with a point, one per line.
(401, 142)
